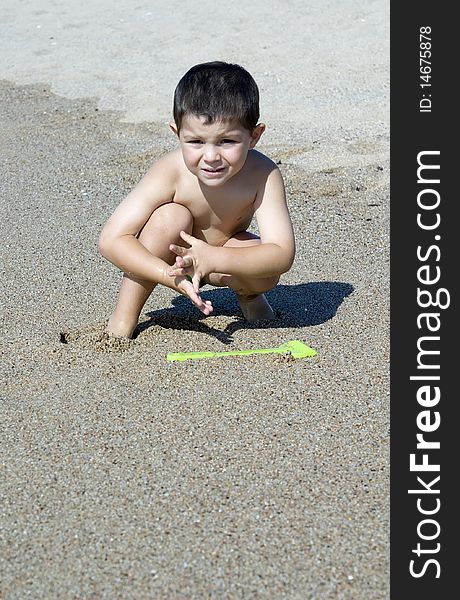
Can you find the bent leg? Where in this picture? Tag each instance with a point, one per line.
(160, 230)
(249, 292)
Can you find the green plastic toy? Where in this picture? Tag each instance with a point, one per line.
(295, 348)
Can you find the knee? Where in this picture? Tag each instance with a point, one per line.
(258, 286)
(173, 217)
(167, 219)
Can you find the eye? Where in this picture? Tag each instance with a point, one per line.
(194, 142)
(228, 141)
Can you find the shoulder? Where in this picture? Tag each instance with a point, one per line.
(262, 169)
(161, 178)
(159, 183)
(260, 162)
(167, 167)
(269, 181)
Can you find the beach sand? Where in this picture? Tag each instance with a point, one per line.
(126, 476)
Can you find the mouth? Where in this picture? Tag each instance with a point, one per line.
(212, 172)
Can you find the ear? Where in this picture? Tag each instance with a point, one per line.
(256, 134)
(173, 128)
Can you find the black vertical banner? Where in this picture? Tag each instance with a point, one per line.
(425, 434)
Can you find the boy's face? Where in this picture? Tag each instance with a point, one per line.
(215, 152)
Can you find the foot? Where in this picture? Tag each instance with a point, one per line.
(120, 329)
(255, 308)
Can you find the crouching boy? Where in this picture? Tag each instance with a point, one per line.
(185, 223)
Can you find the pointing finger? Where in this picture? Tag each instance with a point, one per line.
(179, 250)
(196, 282)
(187, 237)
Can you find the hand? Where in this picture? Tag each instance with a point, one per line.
(185, 286)
(193, 261)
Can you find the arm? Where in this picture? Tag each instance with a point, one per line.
(118, 241)
(273, 256)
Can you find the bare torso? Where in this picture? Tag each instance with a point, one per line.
(221, 212)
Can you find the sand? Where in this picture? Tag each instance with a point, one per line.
(123, 475)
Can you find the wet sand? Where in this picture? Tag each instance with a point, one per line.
(126, 476)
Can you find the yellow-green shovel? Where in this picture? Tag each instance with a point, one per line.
(295, 348)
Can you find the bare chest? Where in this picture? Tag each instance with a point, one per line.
(219, 214)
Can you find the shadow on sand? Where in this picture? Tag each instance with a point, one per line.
(300, 305)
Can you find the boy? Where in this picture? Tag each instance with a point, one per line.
(185, 223)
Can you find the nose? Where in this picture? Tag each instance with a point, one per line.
(211, 153)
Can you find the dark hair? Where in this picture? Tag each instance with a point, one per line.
(217, 91)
